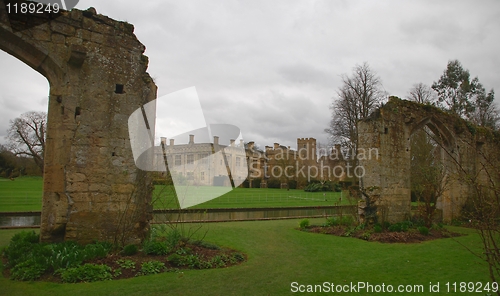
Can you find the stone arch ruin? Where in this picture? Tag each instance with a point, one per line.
(97, 75)
(387, 177)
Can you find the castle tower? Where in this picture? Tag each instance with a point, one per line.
(306, 148)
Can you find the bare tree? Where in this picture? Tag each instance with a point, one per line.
(26, 136)
(360, 94)
(421, 93)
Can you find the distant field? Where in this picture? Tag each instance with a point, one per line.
(164, 197)
(25, 194)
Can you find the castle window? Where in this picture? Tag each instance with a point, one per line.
(178, 160)
(190, 158)
(238, 162)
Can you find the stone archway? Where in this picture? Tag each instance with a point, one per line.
(97, 75)
(388, 176)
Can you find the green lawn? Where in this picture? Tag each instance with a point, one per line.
(22, 194)
(25, 194)
(164, 197)
(279, 255)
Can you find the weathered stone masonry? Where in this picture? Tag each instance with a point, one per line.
(97, 75)
(387, 177)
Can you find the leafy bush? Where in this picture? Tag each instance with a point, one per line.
(175, 259)
(423, 230)
(192, 261)
(344, 220)
(155, 248)
(86, 273)
(152, 267)
(27, 271)
(66, 254)
(126, 264)
(239, 257)
(219, 261)
(130, 250)
(400, 226)
(96, 250)
(377, 228)
(20, 247)
(173, 238)
(304, 224)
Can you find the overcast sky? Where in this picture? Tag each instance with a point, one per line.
(273, 67)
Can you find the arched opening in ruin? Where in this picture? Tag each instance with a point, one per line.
(431, 143)
(97, 75)
(23, 90)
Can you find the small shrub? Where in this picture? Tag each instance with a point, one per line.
(173, 238)
(130, 250)
(239, 257)
(192, 261)
(126, 264)
(332, 221)
(155, 248)
(423, 230)
(184, 251)
(96, 250)
(400, 226)
(366, 235)
(377, 228)
(152, 267)
(20, 247)
(304, 224)
(27, 271)
(175, 259)
(86, 273)
(219, 261)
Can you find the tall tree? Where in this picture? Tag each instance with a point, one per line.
(485, 112)
(455, 89)
(421, 93)
(360, 94)
(26, 135)
(467, 98)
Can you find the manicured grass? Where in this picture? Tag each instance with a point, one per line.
(22, 194)
(164, 197)
(25, 194)
(279, 255)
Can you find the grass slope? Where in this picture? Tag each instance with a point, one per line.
(23, 194)
(164, 197)
(279, 255)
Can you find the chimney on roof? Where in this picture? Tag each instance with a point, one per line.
(232, 142)
(163, 141)
(191, 139)
(172, 142)
(276, 145)
(216, 140)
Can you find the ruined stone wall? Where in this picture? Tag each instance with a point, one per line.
(97, 75)
(387, 177)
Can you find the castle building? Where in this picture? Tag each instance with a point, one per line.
(209, 164)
